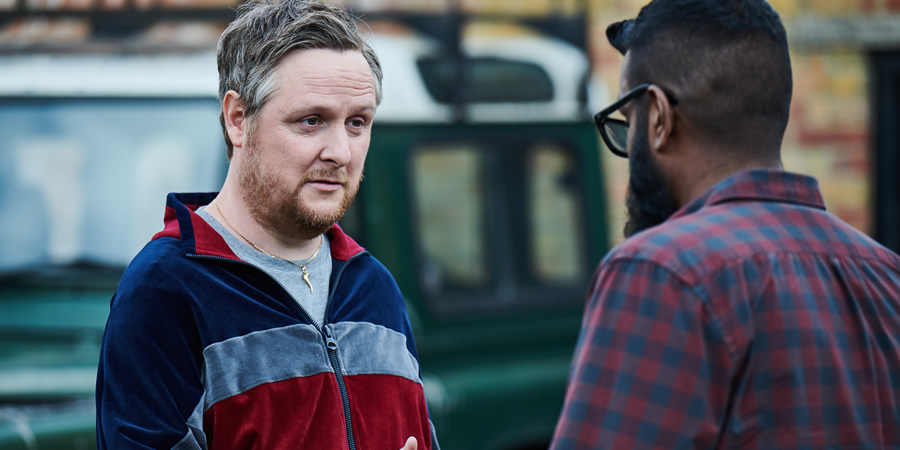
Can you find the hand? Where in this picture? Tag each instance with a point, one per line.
(411, 444)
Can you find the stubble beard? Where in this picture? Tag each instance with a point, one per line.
(649, 199)
(283, 210)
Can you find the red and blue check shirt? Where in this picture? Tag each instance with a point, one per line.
(751, 319)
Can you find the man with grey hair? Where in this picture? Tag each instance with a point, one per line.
(252, 320)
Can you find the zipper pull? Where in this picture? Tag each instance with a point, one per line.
(329, 339)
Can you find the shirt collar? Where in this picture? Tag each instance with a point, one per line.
(759, 185)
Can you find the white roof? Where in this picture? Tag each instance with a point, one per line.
(100, 75)
(405, 95)
(406, 98)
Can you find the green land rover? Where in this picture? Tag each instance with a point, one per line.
(483, 195)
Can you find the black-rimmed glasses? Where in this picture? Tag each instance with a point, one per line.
(615, 131)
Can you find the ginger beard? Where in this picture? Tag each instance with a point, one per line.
(276, 207)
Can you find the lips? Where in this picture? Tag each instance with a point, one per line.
(326, 181)
(327, 176)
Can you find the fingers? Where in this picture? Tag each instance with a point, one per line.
(411, 444)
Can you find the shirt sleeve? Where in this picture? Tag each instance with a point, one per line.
(651, 369)
(149, 375)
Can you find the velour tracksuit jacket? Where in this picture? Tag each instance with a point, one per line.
(203, 350)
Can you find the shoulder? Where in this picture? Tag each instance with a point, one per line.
(695, 245)
(367, 292)
(669, 244)
(701, 244)
(846, 241)
(367, 270)
(160, 258)
(152, 302)
(155, 280)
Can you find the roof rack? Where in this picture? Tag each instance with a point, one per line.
(123, 30)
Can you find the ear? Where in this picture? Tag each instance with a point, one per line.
(661, 119)
(233, 114)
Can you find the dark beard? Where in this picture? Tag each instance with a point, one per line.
(284, 210)
(649, 199)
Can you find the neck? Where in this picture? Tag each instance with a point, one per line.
(696, 179)
(232, 212)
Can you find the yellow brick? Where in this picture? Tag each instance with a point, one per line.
(786, 8)
(847, 84)
(848, 76)
(834, 7)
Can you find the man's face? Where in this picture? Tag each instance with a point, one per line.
(649, 200)
(304, 161)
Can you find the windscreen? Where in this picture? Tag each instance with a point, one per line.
(84, 181)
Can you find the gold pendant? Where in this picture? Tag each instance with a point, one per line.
(306, 279)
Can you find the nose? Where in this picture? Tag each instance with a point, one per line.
(336, 148)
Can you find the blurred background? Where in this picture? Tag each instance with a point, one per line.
(488, 193)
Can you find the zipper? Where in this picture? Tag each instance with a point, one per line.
(324, 330)
(332, 346)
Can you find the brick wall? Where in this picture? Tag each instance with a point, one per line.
(829, 132)
(828, 135)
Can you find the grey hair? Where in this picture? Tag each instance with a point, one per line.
(265, 31)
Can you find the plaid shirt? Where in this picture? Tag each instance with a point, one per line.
(750, 319)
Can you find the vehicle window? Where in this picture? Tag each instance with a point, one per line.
(86, 180)
(554, 215)
(499, 223)
(449, 206)
(489, 80)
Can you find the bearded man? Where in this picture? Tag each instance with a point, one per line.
(252, 320)
(738, 313)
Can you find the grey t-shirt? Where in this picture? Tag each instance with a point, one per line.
(289, 275)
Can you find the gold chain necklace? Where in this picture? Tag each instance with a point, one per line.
(301, 266)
